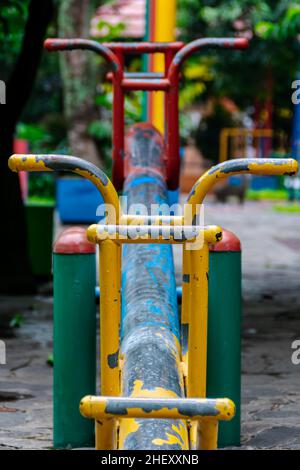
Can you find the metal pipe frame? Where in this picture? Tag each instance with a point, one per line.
(148, 356)
(148, 408)
(67, 163)
(195, 263)
(175, 54)
(172, 136)
(110, 308)
(169, 234)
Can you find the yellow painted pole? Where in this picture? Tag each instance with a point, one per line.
(186, 268)
(110, 302)
(197, 293)
(209, 434)
(185, 305)
(164, 31)
(228, 132)
(196, 380)
(223, 146)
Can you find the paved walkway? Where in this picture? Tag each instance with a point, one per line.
(271, 383)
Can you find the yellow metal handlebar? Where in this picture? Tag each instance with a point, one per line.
(154, 234)
(262, 166)
(99, 407)
(254, 166)
(72, 164)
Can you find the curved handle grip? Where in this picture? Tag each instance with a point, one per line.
(197, 45)
(57, 44)
(72, 164)
(254, 166)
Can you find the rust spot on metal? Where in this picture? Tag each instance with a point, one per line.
(219, 236)
(112, 360)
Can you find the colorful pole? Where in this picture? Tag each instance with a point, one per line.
(74, 340)
(161, 22)
(296, 119)
(150, 330)
(224, 331)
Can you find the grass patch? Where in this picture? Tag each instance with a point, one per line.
(291, 209)
(40, 201)
(267, 194)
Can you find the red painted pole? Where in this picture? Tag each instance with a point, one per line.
(173, 162)
(118, 126)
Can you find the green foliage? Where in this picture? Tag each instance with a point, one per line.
(110, 31)
(260, 20)
(16, 321)
(280, 27)
(133, 103)
(45, 103)
(196, 76)
(13, 16)
(41, 186)
(266, 69)
(44, 137)
(34, 133)
(41, 140)
(100, 130)
(50, 360)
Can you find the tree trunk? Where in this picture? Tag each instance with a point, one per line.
(79, 73)
(15, 273)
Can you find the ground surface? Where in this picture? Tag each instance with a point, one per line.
(271, 383)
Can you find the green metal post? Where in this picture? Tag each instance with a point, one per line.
(74, 344)
(39, 218)
(224, 331)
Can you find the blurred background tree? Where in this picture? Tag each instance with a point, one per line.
(79, 71)
(62, 109)
(23, 26)
(259, 79)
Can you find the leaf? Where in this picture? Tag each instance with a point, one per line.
(50, 360)
(264, 29)
(16, 321)
(198, 71)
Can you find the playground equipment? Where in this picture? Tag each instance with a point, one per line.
(250, 143)
(153, 361)
(161, 24)
(236, 142)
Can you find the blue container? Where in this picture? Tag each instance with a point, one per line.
(77, 200)
(237, 180)
(173, 197)
(264, 182)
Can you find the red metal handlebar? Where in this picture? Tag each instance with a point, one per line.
(175, 54)
(172, 138)
(144, 47)
(198, 44)
(53, 44)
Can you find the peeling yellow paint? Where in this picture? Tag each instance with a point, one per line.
(127, 427)
(26, 163)
(157, 392)
(173, 439)
(226, 409)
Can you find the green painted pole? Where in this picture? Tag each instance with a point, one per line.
(224, 332)
(74, 343)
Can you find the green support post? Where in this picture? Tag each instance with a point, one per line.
(224, 331)
(74, 343)
(39, 222)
